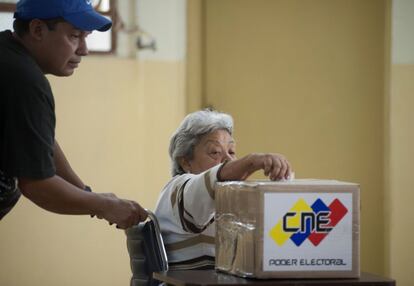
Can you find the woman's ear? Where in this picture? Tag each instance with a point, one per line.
(185, 164)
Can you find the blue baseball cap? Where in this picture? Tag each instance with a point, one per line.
(79, 13)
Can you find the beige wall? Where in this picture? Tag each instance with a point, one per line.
(114, 119)
(400, 151)
(306, 78)
(400, 232)
(195, 57)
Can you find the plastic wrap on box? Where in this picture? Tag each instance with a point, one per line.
(247, 245)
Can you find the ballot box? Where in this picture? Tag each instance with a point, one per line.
(303, 228)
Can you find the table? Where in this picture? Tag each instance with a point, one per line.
(213, 278)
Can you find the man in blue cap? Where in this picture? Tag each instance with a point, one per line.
(48, 38)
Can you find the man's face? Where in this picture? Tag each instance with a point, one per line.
(62, 49)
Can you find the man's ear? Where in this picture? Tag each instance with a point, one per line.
(185, 164)
(37, 29)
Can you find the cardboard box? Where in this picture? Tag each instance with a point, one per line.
(292, 229)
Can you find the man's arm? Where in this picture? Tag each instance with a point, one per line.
(63, 168)
(57, 195)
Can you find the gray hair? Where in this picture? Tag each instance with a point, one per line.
(189, 133)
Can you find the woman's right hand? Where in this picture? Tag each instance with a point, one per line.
(275, 167)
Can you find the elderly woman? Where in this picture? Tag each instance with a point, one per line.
(203, 152)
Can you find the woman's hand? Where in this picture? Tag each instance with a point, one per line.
(275, 167)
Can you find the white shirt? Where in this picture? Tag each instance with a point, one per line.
(185, 211)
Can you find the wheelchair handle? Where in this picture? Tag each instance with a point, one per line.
(160, 241)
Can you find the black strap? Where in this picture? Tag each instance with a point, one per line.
(9, 193)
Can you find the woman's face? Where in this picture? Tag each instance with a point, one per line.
(213, 149)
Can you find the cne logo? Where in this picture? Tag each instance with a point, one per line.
(303, 222)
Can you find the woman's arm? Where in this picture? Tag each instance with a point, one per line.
(275, 166)
(187, 201)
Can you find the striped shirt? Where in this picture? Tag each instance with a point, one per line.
(185, 211)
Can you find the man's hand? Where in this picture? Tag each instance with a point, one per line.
(123, 213)
(57, 195)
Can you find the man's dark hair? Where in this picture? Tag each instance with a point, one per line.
(21, 27)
